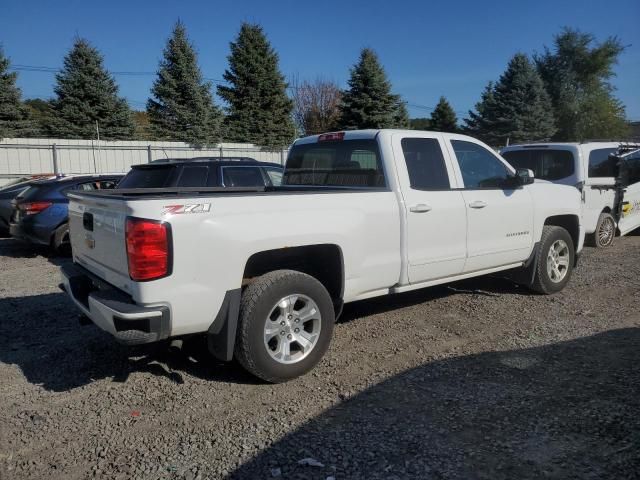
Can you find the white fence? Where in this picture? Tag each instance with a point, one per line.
(28, 156)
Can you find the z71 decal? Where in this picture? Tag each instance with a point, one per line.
(191, 208)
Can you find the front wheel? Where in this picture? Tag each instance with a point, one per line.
(555, 260)
(285, 327)
(60, 242)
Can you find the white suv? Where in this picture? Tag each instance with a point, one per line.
(609, 201)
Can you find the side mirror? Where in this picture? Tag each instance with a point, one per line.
(525, 176)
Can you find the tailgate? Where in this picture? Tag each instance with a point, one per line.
(96, 227)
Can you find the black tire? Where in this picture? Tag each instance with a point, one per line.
(542, 282)
(605, 231)
(60, 241)
(258, 301)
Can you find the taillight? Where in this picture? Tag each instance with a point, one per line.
(31, 208)
(331, 137)
(148, 249)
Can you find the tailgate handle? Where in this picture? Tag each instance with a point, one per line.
(87, 221)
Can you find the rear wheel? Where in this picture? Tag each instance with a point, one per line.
(555, 260)
(286, 324)
(605, 231)
(60, 242)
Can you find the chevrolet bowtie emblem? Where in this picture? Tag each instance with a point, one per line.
(91, 243)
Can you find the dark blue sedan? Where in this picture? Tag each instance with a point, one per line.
(40, 213)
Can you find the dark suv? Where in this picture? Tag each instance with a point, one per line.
(40, 213)
(203, 172)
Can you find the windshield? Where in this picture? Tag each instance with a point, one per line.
(348, 163)
(546, 164)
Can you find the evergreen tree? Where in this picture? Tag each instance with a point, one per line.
(443, 118)
(15, 120)
(420, 123)
(517, 109)
(41, 112)
(368, 102)
(258, 108)
(86, 93)
(182, 108)
(576, 74)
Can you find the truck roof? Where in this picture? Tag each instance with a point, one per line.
(368, 134)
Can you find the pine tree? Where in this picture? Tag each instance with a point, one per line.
(368, 102)
(258, 108)
(443, 118)
(182, 108)
(15, 120)
(517, 109)
(576, 74)
(87, 93)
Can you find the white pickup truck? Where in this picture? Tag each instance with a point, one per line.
(606, 173)
(264, 271)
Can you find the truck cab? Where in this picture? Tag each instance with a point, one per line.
(591, 167)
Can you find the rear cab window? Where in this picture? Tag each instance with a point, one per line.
(341, 163)
(546, 164)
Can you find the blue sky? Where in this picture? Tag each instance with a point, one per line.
(428, 49)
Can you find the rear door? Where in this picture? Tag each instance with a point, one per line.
(435, 212)
(499, 216)
(630, 216)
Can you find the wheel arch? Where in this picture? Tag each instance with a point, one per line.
(571, 223)
(324, 262)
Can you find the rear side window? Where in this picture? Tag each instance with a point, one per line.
(149, 177)
(242, 177)
(425, 163)
(194, 176)
(601, 164)
(546, 164)
(348, 163)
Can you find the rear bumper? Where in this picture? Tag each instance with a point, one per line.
(113, 310)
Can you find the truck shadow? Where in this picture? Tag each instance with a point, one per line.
(489, 286)
(43, 330)
(566, 410)
(41, 335)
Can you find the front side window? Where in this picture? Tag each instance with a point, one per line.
(546, 164)
(425, 164)
(242, 177)
(479, 167)
(601, 164)
(345, 163)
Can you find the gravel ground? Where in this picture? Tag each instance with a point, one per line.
(478, 379)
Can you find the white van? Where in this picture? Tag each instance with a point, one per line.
(610, 194)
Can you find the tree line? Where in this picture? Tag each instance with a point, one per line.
(563, 94)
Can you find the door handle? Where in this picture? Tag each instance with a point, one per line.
(478, 204)
(420, 208)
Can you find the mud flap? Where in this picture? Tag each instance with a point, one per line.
(525, 274)
(221, 336)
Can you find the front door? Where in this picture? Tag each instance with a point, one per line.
(435, 212)
(499, 215)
